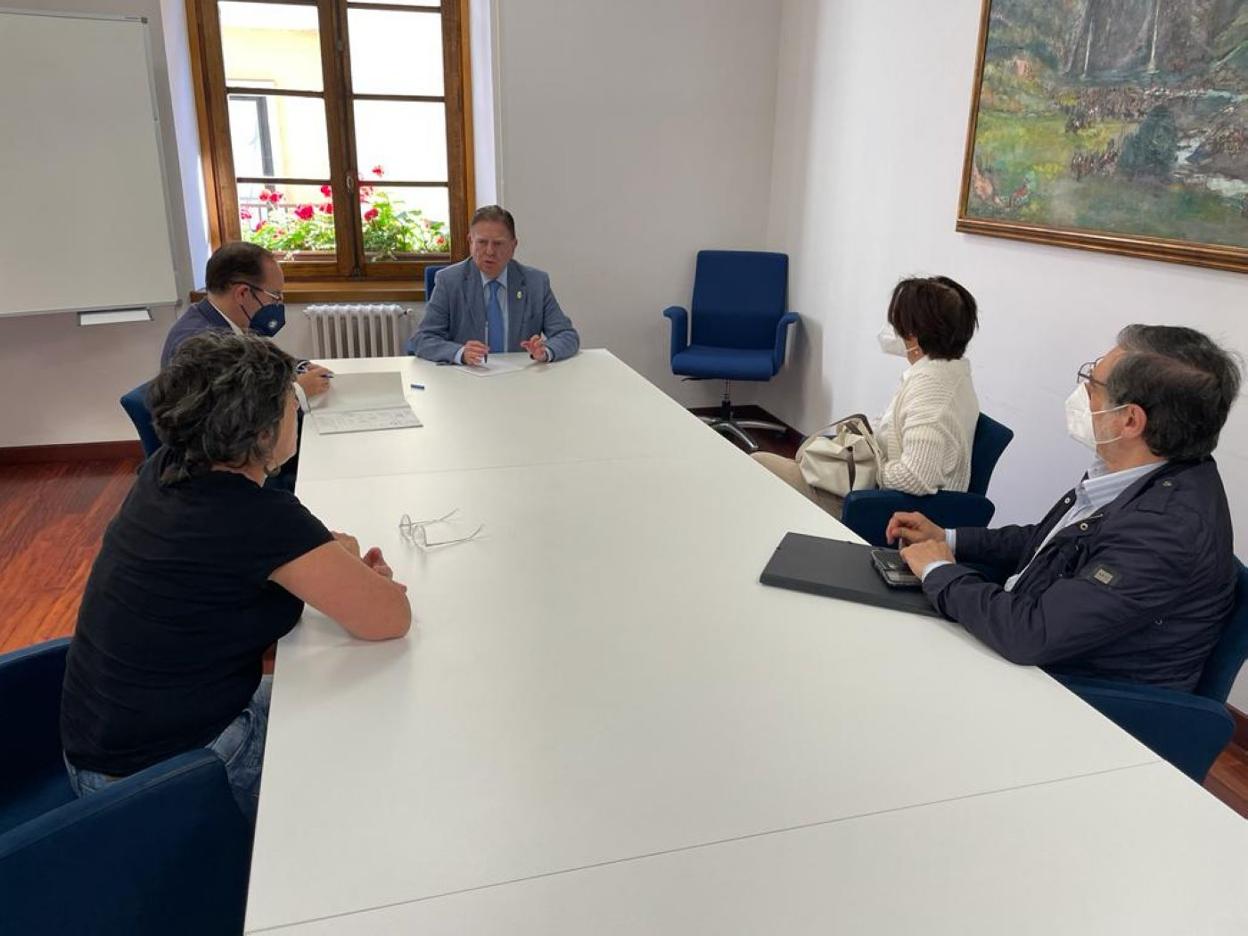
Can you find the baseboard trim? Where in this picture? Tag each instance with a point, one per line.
(1241, 727)
(71, 452)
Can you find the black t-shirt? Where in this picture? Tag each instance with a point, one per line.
(177, 614)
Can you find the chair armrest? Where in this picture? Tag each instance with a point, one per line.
(1186, 729)
(30, 738)
(166, 850)
(782, 338)
(867, 512)
(680, 328)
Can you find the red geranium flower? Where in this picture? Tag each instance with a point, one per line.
(264, 194)
(244, 214)
(370, 214)
(275, 197)
(378, 171)
(304, 212)
(259, 225)
(327, 191)
(328, 208)
(439, 241)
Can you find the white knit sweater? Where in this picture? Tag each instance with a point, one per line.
(925, 434)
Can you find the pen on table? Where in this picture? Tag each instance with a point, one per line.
(417, 386)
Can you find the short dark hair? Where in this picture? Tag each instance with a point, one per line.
(940, 314)
(1184, 382)
(494, 213)
(220, 401)
(235, 263)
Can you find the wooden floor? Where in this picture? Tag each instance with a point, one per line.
(53, 516)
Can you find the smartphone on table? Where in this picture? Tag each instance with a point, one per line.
(893, 569)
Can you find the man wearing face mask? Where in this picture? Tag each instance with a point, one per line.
(1131, 575)
(244, 284)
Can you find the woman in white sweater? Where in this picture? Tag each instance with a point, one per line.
(925, 434)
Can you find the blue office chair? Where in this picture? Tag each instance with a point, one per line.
(1188, 729)
(135, 405)
(739, 331)
(867, 512)
(431, 273)
(165, 850)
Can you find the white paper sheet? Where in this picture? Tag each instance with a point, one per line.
(363, 403)
(492, 367)
(366, 420)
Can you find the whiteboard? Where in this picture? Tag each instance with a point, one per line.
(84, 216)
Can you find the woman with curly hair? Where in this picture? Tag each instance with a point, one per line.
(201, 571)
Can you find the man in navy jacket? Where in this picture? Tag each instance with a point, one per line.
(1131, 575)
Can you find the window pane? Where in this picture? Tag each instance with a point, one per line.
(404, 3)
(279, 135)
(287, 218)
(407, 141)
(400, 220)
(395, 53)
(271, 46)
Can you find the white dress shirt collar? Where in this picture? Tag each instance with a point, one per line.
(228, 321)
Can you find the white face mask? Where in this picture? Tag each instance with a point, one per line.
(1079, 415)
(892, 343)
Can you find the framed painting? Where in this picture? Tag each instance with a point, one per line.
(1112, 125)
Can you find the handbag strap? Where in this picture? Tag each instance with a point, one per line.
(830, 430)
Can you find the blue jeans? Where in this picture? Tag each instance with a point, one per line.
(240, 746)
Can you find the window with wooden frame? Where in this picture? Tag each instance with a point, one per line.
(336, 133)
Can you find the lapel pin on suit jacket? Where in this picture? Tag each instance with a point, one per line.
(519, 294)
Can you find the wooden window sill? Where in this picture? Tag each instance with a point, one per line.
(343, 291)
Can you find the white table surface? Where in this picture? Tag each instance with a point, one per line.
(601, 678)
(1141, 851)
(585, 408)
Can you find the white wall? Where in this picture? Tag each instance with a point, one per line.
(631, 135)
(872, 106)
(61, 382)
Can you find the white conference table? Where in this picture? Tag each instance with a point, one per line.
(598, 697)
(1135, 852)
(589, 407)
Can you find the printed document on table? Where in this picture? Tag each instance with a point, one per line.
(492, 367)
(363, 403)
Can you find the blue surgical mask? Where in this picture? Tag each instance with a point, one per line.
(270, 318)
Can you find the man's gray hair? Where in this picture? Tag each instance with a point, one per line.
(495, 213)
(220, 401)
(1183, 381)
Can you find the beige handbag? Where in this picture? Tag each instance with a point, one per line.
(841, 457)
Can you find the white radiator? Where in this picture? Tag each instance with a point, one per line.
(348, 330)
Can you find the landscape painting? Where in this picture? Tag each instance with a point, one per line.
(1113, 125)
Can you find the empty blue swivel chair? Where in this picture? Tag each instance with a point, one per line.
(867, 512)
(166, 850)
(737, 328)
(1188, 729)
(135, 405)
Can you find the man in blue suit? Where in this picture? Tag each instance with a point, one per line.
(490, 304)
